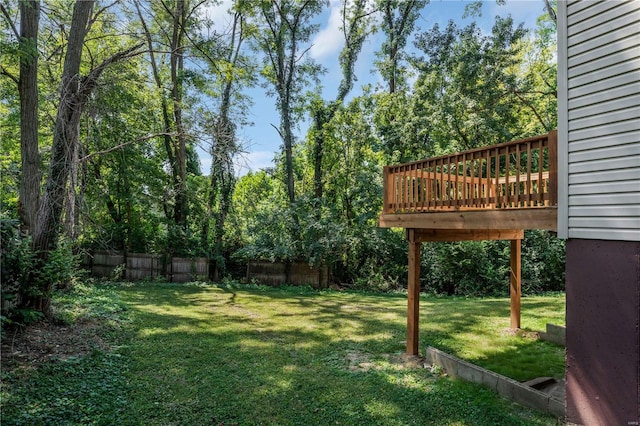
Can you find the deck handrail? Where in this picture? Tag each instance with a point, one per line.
(511, 175)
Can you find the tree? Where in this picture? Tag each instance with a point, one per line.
(74, 93)
(398, 21)
(28, 92)
(355, 24)
(231, 70)
(168, 42)
(27, 83)
(285, 28)
(465, 84)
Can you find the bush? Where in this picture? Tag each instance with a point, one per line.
(466, 268)
(481, 268)
(27, 278)
(17, 262)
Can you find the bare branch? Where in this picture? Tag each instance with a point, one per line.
(5, 72)
(550, 11)
(277, 130)
(122, 145)
(5, 12)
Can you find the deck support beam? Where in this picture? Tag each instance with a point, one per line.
(416, 237)
(413, 294)
(515, 288)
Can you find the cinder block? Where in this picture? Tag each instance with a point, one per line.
(505, 387)
(469, 372)
(490, 379)
(555, 334)
(556, 407)
(530, 397)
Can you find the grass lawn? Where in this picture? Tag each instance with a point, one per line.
(193, 354)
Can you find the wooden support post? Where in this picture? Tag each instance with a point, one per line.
(413, 291)
(515, 282)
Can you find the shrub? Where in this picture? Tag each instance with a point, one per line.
(27, 279)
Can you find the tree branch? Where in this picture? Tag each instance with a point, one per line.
(5, 72)
(5, 12)
(122, 145)
(91, 79)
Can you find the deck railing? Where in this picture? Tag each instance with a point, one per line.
(518, 174)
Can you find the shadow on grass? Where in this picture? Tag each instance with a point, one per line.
(272, 357)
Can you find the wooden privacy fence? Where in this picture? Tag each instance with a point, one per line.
(277, 273)
(518, 174)
(140, 266)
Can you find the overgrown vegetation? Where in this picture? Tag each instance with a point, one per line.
(126, 175)
(237, 354)
(69, 369)
(26, 278)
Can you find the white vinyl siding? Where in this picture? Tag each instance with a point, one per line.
(599, 119)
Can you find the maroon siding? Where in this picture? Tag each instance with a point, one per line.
(603, 338)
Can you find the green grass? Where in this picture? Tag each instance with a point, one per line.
(199, 354)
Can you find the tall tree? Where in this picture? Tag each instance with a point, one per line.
(65, 137)
(466, 84)
(355, 25)
(398, 21)
(285, 28)
(231, 72)
(75, 90)
(27, 87)
(177, 68)
(167, 42)
(29, 192)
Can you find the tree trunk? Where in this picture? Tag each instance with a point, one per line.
(74, 93)
(65, 136)
(318, 153)
(288, 149)
(177, 66)
(29, 191)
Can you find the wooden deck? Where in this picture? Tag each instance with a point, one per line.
(508, 186)
(491, 193)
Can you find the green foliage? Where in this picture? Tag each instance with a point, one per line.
(79, 389)
(18, 260)
(89, 390)
(464, 89)
(543, 262)
(467, 268)
(26, 277)
(337, 358)
(467, 84)
(481, 268)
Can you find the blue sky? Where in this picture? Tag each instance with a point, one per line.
(261, 141)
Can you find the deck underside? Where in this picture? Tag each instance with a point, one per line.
(523, 218)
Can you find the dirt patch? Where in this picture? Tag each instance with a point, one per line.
(533, 335)
(357, 361)
(33, 345)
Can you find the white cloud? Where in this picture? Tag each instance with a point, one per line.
(330, 39)
(205, 164)
(253, 161)
(526, 11)
(219, 14)
(243, 163)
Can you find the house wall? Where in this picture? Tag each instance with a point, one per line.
(599, 206)
(599, 119)
(603, 339)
